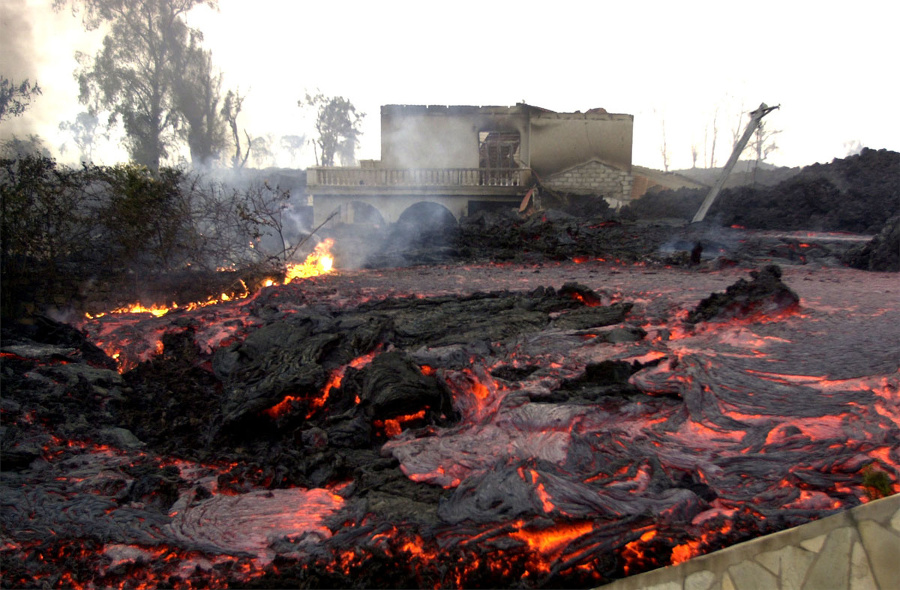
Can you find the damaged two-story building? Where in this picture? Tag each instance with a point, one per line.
(460, 159)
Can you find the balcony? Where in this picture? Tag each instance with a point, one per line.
(419, 178)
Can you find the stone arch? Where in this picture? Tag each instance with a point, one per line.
(427, 215)
(362, 213)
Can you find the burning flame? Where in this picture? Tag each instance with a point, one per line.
(318, 263)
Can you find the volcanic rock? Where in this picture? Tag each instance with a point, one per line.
(852, 194)
(393, 385)
(765, 294)
(68, 341)
(880, 254)
(591, 317)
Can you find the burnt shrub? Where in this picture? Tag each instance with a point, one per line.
(66, 230)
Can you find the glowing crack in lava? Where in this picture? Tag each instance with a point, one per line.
(582, 442)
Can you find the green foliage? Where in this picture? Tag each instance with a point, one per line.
(337, 123)
(101, 219)
(198, 89)
(142, 219)
(147, 75)
(85, 131)
(15, 98)
(39, 222)
(877, 483)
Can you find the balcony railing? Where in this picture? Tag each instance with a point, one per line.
(418, 177)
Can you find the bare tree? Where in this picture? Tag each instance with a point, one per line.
(231, 108)
(664, 149)
(762, 144)
(261, 151)
(293, 144)
(738, 129)
(710, 155)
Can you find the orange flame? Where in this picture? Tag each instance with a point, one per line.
(318, 263)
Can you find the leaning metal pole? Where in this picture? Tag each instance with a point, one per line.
(755, 117)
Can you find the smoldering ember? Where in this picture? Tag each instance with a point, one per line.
(557, 396)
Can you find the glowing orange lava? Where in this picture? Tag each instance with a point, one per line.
(550, 540)
(334, 380)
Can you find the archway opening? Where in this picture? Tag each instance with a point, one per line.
(427, 217)
(363, 214)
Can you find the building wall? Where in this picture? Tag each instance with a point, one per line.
(594, 178)
(443, 136)
(562, 140)
(391, 206)
(447, 136)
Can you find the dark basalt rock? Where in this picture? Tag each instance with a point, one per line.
(47, 331)
(765, 294)
(599, 380)
(393, 385)
(880, 254)
(592, 317)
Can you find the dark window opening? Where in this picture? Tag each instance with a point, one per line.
(498, 157)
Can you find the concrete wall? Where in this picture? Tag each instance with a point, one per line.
(855, 550)
(447, 136)
(563, 140)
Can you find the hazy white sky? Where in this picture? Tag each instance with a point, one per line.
(831, 66)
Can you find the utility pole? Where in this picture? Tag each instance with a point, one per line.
(755, 118)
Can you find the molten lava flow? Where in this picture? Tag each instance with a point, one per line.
(318, 263)
(394, 426)
(316, 403)
(690, 439)
(550, 540)
(161, 310)
(634, 552)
